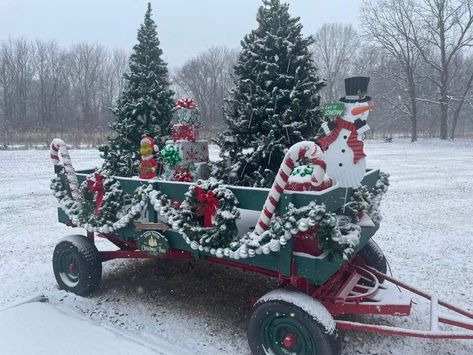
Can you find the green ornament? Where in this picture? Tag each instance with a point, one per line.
(170, 154)
(303, 171)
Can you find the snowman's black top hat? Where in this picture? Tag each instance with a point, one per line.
(356, 89)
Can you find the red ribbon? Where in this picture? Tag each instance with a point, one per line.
(95, 185)
(211, 204)
(353, 142)
(185, 103)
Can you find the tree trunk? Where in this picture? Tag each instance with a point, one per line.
(412, 93)
(456, 115)
(444, 116)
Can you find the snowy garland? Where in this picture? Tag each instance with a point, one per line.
(218, 236)
(336, 242)
(108, 217)
(366, 200)
(206, 218)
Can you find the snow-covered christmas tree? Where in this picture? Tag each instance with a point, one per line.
(145, 106)
(275, 101)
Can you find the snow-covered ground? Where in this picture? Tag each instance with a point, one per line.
(169, 306)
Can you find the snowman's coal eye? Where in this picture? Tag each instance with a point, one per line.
(343, 150)
(345, 137)
(340, 164)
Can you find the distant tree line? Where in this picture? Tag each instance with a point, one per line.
(417, 53)
(46, 88)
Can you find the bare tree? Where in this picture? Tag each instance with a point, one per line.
(86, 69)
(390, 24)
(445, 30)
(462, 76)
(207, 79)
(334, 48)
(44, 88)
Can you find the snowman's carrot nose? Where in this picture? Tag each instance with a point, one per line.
(359, 110)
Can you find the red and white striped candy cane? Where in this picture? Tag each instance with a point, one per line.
(299, 150)
(58, 150)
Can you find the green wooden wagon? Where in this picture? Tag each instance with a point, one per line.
(298, 318)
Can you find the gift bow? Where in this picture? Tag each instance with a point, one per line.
(170, 154)
(211, 204)
(185, 103)
(95, 185)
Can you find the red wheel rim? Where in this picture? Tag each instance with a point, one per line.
(73, 268)
(289, 341)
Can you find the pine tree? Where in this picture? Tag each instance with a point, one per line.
(275, 101)
(144, 107)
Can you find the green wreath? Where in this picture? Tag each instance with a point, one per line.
(207, 217)
(106, 215)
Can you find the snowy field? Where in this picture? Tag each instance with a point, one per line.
(173, 308)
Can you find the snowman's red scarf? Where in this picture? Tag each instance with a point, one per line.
(353, 142)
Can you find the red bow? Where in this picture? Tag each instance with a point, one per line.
(211, 204)
(185, 103)
(96, 185)
(353, 142)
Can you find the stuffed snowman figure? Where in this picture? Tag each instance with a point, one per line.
(342, 146)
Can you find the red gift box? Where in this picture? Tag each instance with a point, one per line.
(185, 132)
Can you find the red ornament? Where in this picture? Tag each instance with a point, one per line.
(210, 202)
(183, 175)
(95, 185)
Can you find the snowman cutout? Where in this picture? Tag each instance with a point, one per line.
(342, 145)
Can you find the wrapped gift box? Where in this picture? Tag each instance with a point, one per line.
(186, 132)
(194, 152)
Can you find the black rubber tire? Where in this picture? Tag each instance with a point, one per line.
(373, 256)
(326, 343)
(87, 261)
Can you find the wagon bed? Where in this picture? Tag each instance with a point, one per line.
(284, 264)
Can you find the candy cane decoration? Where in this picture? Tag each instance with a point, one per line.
(58, 150)
(299, 150)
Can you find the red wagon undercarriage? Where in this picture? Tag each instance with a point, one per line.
(356, 289)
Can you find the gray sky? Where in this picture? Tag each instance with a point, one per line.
(185, 27)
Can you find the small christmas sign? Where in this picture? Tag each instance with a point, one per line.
(153, 243)
(334, 109)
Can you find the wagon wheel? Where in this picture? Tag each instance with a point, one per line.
(279, 326)
(373, 256)
(77, 265)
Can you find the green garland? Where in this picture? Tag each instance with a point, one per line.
(338, 243)
(111, 216)
(369, 200)
(336, 240)
(186, 219)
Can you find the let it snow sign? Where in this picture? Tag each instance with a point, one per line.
(334, 109)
